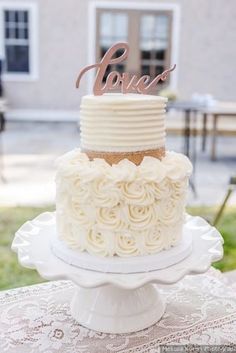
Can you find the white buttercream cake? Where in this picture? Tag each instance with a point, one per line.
(122, 122)
(130, 207)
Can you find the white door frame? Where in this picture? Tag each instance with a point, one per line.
(175, 8)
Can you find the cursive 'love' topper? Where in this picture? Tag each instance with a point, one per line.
(115, 80)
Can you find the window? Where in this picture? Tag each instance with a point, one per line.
(16, 33)
(148, 34)
(113, 28)
(19, 40)
(154, 44)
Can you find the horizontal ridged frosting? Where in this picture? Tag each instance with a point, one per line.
(122, 122)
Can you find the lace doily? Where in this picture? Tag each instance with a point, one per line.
(201, 310)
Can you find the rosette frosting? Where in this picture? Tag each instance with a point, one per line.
(123, 209)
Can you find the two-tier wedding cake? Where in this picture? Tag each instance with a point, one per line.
(121, 194)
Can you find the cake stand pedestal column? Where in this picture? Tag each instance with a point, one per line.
(111, 309)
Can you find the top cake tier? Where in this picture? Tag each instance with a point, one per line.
(122, 122)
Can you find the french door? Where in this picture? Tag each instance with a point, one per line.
(148, 34)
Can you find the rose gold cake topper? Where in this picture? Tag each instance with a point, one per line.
(127, 83)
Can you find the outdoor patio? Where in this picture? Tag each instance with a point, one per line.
(126, 266)
(30, 149)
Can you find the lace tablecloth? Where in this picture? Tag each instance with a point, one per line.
(201, 310)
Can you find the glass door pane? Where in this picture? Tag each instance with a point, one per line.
(154, 43)
(147, 33)
(112, 28)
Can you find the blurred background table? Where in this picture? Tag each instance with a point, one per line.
(2, 102)
(190, 110)
(2, 114)
(217, 111)
(196, 110)
(201, 310)
(2, 128)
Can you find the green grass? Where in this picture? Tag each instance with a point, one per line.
(13, 275)
(227, 228)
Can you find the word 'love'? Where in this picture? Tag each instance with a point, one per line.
(115, 80)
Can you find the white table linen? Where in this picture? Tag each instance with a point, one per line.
(201, 310)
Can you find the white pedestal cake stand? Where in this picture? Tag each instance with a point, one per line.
(116, 302)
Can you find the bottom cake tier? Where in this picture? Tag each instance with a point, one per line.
(123, 209)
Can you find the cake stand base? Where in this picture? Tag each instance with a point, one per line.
(112, 309)
(115, 302)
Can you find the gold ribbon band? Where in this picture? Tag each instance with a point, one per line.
(135, 157)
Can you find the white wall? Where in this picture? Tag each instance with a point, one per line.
(206, 56)
(208, 48)
(62, 53)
